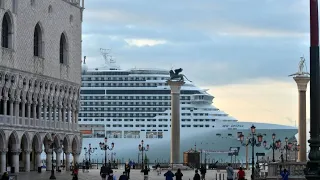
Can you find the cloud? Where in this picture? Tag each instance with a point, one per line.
(216, 42)
(144, 42)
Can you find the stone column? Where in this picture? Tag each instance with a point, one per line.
(48, 159)
(16, 110)
(5, 100)
(67, 161)
(34, 114)
(27, 160)
(23, 110)
(11, 111)
(38, 159)
(11, 107)
(39, 111)
(175, 121)
(15, 159)
(76, 157)
(302, 83)
(58, 158)
(29, 109)
(3, 160)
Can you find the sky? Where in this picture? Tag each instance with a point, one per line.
(242, 50)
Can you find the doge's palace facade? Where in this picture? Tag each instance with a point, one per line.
(40, 66)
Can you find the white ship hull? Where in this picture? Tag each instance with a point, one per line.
(206, 139)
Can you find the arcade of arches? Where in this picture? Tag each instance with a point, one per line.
(22, 150)
(35, 110)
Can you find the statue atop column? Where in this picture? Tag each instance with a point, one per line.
(302, 71)
(175, 75)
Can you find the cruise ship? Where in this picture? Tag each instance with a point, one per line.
(128, 106)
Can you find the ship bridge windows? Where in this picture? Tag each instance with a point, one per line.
(114, 134)
(132, 134)
(218, 134)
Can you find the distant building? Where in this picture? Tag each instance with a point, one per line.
(40, 79)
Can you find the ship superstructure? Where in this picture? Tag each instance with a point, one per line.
(128, 106)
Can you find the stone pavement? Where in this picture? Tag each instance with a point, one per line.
(93, 174)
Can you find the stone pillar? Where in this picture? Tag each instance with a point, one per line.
(48, 159)
(16, 110)
(58, 158)
(175, 121)
(11, 107)
(50, 113)
(15, 159)
(27, 160)
(59, 113)
(67, 161)
(23, 110)
(5, 100)
(3, 160)
(38, 159)
(76, 157)
(39, 111)
(302, 83)
(29, 109)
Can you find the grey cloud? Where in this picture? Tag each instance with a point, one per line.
(207, 57)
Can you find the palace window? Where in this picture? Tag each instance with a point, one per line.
(5, 31)
(63, 49)
(37, 41)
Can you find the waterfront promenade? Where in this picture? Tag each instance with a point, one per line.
(93, 174)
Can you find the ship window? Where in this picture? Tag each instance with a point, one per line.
(218, 134)
(207, 125)
(229, 134)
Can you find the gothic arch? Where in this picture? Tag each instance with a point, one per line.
(14, 138)
(66, 143)
(7, 30)
(36, 142)
(76, 144)
(25, 141)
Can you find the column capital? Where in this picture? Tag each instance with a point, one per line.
(58, 151)
(3, 151)
(302, 82)
(27, 151)
(67, 152)
(38, 151)
(175, 86)
(48, 151)
(16, 151)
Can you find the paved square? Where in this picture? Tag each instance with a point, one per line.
(93, 174)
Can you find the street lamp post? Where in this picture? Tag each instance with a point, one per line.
(295, 148)
(104, 146)
(273, 146)
(286, 147)
(89, 151)
(142, 149)
(253, 142)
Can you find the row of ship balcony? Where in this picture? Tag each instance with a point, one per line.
(25, 122)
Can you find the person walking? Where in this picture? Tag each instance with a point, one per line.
(178, 174)
(111, 176)
(127, 170)
(104, 172)
(203, 172)
(5, 176)
(229, 172)
(196, 175)
(241, 174)
(124, 176)
(169, 175)
(146, 172)
(284, 174)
